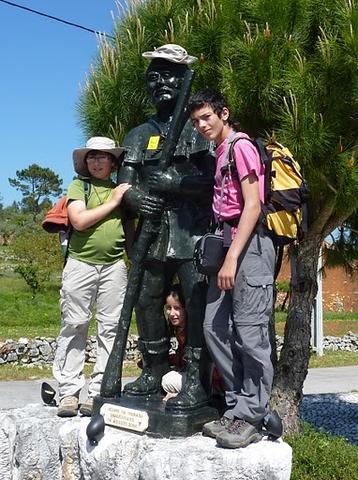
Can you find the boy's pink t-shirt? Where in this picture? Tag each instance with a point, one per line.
(247, 162)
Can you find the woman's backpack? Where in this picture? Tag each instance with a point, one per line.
(56, 219)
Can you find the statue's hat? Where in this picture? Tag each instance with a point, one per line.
(172, 53)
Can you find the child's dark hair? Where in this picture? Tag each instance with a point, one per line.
(176, 292)
(215, 100)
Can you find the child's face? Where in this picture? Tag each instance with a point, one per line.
(211, 125)
(100, 164)
(175, 312)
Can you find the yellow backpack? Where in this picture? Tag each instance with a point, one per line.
(284, 211)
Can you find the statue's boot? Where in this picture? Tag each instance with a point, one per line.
(155, 365)
(192, 395)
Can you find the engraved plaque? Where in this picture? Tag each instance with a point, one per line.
(123, 417)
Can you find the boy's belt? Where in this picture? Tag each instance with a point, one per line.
(226, 226)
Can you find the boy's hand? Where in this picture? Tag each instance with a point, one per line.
(226, 275)
(119, 191)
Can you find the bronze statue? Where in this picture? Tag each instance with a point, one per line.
(178, 201)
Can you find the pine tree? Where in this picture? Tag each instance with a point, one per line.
(37, 185)
(288, 69)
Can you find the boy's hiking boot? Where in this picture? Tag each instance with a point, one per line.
(212, 429)
(239, 434)
(68, 407)
(86, 407)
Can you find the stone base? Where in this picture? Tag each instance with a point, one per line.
(35, 443)
(123, 455)
(30, 444)
(163, 423)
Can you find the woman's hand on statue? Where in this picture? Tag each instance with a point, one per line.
(119, 191)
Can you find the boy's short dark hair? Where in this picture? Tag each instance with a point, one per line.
(214, 99)
(209, 96)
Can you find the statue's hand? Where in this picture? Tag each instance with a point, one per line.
(162, 181)
(151, 206)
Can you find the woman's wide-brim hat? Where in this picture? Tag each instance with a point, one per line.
(172, 53)
(103, 144)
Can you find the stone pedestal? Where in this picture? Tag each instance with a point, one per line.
(30, 443)
(124, 455)
(161, 422)
(36, 444)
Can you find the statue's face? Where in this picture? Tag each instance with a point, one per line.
(164, 80)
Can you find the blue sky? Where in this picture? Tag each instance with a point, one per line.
(43, 62)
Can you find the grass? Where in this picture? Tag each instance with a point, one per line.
(320, 456)
(334, 359)
(22, 316)
(336, 316)
(12, 371)
(335, 324)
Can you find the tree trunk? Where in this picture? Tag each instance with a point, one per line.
(292, 366)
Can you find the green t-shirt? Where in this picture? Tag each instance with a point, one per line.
(104, 242)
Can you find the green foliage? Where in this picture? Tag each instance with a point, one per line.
(319, 456)
(12, 222)
(38, 256)
(283, 286)
(30, 273)
(37, 185)
(344, 250)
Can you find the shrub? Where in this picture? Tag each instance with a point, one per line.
(38, 256)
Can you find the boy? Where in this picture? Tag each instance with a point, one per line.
(239, 299)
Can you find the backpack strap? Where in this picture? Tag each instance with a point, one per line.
(229, 166)
(87, 191)
(229, 161)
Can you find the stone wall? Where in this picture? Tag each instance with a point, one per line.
(347, 343)
(41, 350)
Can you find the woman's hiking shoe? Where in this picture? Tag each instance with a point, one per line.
(68, 407)
(212, 429)
(239, 434)
(86, 407)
